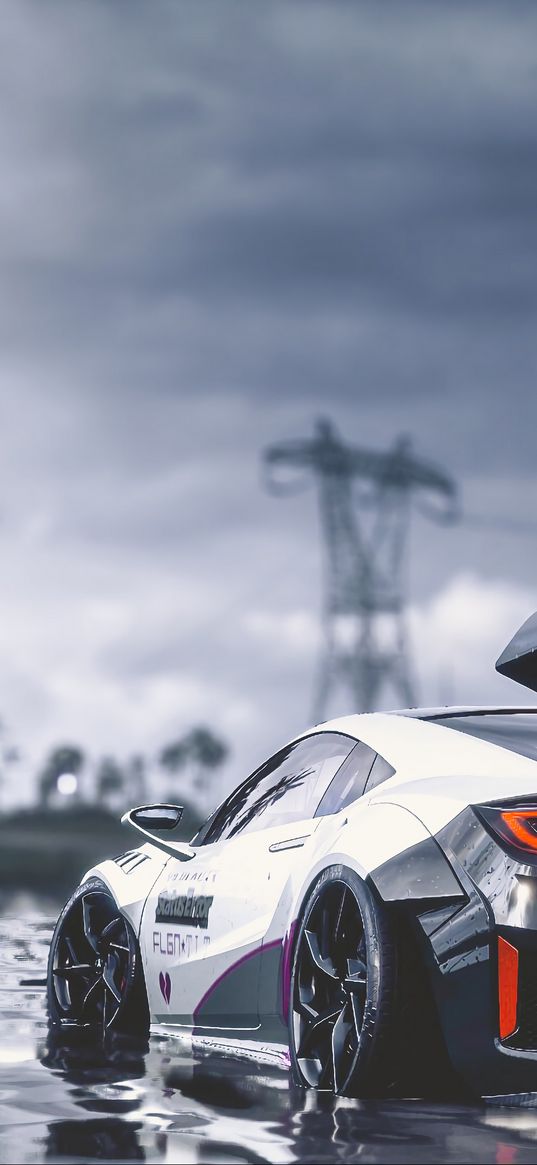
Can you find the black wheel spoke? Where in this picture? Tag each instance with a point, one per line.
(110, 929)
(114, 1011)
(356, 968)
(339, 915)
(92, 994)
(306, 1010)
(357, 1014)
(326, 1077)
(356, 978)
(110, 1005)
(325, 925)
(317, 1030)
(86, 918)
(356, 986)
(75, 970)
(340, 1033)
(325, 966)
(72, 953)
(108, 978)
(105, 1001)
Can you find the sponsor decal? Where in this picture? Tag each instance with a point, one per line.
(185, 909)
(165, 985)
(174, 945)
(130, 860)
(193, 876)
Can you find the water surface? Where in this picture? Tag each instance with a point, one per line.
(155, 1103)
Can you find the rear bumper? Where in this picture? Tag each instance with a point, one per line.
(471, 991)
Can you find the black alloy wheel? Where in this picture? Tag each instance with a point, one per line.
(342, 987)
(94, 970)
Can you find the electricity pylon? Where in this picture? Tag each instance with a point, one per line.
(365, 499)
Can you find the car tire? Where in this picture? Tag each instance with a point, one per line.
(94, 976)
(342, 1028)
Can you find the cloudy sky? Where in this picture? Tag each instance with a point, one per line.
(218, 222)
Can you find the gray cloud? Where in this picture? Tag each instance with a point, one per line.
(216, 223)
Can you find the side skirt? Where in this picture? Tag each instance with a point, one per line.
(274, 1055)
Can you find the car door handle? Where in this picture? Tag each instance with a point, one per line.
(289, 843)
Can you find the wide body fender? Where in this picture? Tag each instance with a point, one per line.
(388, 847)
(130, 878)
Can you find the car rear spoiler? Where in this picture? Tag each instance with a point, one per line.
(519, 659)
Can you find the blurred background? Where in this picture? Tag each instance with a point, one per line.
(268, 401)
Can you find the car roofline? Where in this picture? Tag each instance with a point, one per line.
(464, 710)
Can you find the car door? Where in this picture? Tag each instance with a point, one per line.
(348, 783)
(205, 920)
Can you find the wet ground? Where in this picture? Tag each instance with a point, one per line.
(153, 1103)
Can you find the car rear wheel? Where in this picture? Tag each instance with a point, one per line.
(343, 983)
(94, 977)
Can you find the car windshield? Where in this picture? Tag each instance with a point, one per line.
(516, 731)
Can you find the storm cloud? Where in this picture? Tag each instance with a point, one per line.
(216, 223)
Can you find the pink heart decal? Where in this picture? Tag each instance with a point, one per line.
(165, 985)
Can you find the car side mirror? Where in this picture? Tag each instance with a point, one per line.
(152, 820)
(157, 817)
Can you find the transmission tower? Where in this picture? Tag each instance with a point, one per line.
(365, 499)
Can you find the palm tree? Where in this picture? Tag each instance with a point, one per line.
(110, 779)
(201, 750)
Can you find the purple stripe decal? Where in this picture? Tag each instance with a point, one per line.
(229, 971)
(288, 943)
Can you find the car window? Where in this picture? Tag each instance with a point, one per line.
(288, 787)
(349, 782)
(380, 772)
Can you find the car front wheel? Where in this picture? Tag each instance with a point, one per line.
(94, 978)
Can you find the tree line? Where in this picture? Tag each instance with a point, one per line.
(189, 763)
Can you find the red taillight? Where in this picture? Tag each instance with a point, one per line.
(516, 826)
(522, 826)
(507, 987)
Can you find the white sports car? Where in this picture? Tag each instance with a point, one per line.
(363, 908)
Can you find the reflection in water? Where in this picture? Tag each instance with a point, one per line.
(68, 1099)
(102, 1140)
(84, 1062)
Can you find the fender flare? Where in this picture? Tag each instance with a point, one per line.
(392, 850)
